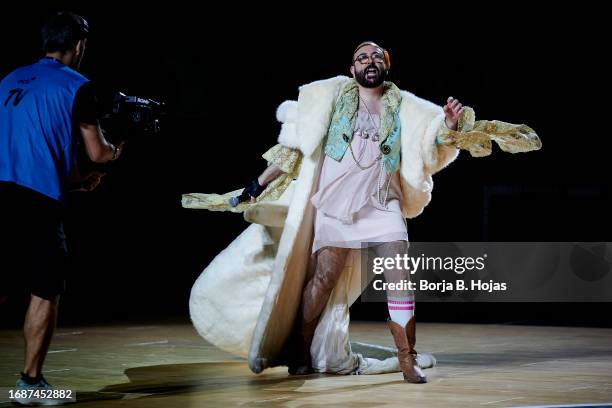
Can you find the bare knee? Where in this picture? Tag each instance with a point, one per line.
(390, 249)
(330, 265)
(38, 301)
(325, 282)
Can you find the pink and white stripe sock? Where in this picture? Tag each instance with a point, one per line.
(401, 309)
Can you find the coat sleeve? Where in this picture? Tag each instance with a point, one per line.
(421, 157)
(436, 156)
(286, 114)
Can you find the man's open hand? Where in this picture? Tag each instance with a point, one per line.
(453, 110)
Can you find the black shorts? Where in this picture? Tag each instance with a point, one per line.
(33, 254)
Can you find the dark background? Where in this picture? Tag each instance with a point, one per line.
(136, 252)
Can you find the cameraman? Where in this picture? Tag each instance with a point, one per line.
(46, 110)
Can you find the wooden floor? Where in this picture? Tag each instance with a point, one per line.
(169, 365)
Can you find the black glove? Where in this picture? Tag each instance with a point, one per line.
(252, 189)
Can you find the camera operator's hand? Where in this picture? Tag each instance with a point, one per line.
(98, 149)
(117, 150)
(91, 181)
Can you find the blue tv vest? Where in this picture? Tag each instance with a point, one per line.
(37, 148)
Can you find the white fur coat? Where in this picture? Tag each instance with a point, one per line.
(245, 300)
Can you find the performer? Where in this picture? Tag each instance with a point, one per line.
(367, 155)
(42, 107)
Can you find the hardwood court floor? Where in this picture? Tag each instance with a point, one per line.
(169, 365)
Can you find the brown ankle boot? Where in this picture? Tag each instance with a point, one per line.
(405, 339)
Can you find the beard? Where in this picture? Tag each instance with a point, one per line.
(371, 76)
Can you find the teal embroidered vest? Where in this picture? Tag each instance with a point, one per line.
(340, 132)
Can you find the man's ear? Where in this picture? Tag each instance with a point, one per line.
(352, 69)
(80, 47)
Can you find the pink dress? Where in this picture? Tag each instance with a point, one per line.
(349, 201)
